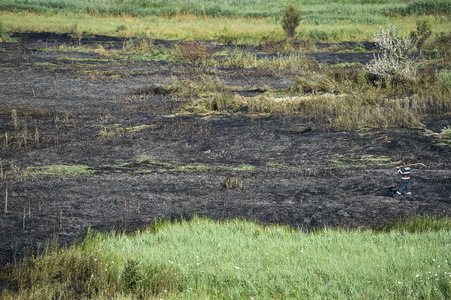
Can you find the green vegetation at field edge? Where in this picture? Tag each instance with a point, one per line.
(236, 259)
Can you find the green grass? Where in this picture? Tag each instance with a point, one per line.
(249, 22)
(203, 259)
(224, 8)
(56, 171)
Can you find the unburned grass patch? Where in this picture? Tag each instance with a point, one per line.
(49, 171)
(336, 112)
(237, 259)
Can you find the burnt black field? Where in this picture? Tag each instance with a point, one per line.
(151, 163)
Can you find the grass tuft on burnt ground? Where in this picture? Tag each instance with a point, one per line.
(201, 258)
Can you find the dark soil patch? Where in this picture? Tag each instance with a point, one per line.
(293, 172)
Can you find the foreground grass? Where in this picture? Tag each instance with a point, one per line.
(203, 259)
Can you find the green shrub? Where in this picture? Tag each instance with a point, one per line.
(291, 17)
(441, 45)
(422, 33)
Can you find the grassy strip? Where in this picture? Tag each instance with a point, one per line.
(203, 8)
(203, 259)
(50, 171)
(185, 27)
(346, 11)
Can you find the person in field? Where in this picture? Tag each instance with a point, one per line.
(404, 186)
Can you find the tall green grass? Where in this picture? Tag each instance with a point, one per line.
(234, 21)
(203, 259)
(351, 10)
(203, 8)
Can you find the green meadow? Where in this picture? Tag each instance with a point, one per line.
(232, 21)
(205, 259)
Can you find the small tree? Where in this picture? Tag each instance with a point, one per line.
(291, 17)
(395, 64)
(422, 33)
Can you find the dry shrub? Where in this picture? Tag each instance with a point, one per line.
(196, 87)
(314, 85)
(194, 52)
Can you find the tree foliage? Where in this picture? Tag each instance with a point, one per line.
(395, 63)
(291, 17)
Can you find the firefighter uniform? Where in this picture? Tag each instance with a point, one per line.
(405, 182)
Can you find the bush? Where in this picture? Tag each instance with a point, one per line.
(422, 33)
(291, 17)
(441, 45)
(396, 64)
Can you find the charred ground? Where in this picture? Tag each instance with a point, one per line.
(100, 150)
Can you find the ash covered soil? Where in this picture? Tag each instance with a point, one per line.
(139, 161)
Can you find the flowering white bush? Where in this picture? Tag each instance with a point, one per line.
(395, 63)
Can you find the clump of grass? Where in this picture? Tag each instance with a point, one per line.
(49, 171)
(193, 52)
(416, 224)
(238, 259)
(14, 118)
(4, 36)
(233, 182)
(294, 62)
(445, 134)
(193, 88)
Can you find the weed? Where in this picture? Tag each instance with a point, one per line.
(422, 33)
(444, 77)
(6, 140)
(441, 46)
(193, 52)
(25, 134)
(121, 27)
(36, 134)
(4, 36)
(233, 183)
(14, 118)
(130, 276)
(445, 134)
(6, 199)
